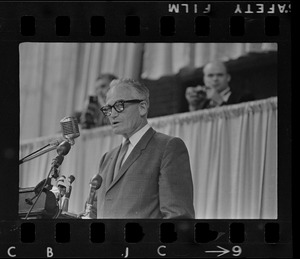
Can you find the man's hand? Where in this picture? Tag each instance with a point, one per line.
(195, 95)
(214, 96)
(90, 115)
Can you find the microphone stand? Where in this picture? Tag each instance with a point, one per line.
(37, 196)
(62, 150)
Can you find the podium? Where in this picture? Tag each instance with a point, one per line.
(45, 208)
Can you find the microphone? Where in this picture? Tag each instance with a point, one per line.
(70, 130)
(58, 141)
(65, 203)
(63, 148)
(95, 184)
(56, 162)
(70, 180)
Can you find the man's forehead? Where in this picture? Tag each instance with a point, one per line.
(118, 93)
(213, 68)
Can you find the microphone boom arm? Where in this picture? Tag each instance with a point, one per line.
(62, 149)
(34, 155)
(70, 131)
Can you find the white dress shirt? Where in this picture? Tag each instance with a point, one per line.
(225, 94)
(134, 139)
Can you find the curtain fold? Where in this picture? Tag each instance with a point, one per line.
(56, 78)
(233, 155)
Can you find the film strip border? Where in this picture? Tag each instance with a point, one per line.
(145, 21)
(140, 238)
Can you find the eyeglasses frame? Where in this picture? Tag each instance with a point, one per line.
(119, 101)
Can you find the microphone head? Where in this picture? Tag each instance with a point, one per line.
(71, 178)
(96, 181)
(63, 148)
(70, 129)
(61, 181)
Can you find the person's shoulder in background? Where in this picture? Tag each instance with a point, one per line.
(240, 97)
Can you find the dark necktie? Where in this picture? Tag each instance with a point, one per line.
(121, 155)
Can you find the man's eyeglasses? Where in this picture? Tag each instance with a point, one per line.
(118, 106)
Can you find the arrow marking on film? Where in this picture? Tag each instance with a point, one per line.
(223, 251)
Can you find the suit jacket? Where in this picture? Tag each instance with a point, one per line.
(234, 98)
(154, 182)
(238, 97)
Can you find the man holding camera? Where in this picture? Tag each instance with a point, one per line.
(91, 116)
(216, 91)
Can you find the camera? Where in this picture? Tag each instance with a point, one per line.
(93, 99)
(200, 90)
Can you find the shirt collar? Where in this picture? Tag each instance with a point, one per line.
(135, 138)
(225, 94)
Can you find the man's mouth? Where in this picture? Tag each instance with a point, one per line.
(114, 123)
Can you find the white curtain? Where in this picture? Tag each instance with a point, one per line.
(56, 78)
(233, 155)
(162, 59)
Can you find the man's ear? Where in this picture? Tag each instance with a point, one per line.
(143, 108)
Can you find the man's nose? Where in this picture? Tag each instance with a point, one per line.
(114, 113)
(215, 78)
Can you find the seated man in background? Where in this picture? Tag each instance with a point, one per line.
(216, 91)
(91, 116)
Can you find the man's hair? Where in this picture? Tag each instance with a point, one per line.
(139, 88)
(219, 62)
(108, 76)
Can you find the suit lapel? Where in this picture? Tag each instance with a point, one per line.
(135, 153)
(111, 166)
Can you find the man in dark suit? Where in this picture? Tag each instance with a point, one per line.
(216, 91)
(153, 179)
